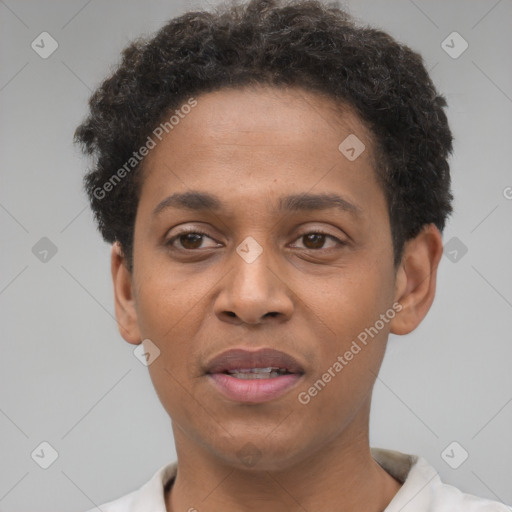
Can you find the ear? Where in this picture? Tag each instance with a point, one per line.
(415, 284)
(126, 313)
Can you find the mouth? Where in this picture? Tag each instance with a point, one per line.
(270, 372)
(254, 376)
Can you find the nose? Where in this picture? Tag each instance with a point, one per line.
(253, 293)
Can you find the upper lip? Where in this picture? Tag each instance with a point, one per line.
(235, 359)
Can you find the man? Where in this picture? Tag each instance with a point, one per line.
(274, 182)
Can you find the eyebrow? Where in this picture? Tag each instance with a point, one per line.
(201, 201)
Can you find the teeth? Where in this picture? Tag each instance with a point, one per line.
(257, 373)
(250, 375)
(254, 370)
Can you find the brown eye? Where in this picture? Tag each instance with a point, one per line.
(191, 240)
(188, 241)
(316, 240)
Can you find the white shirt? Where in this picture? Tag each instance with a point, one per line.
(421, 491)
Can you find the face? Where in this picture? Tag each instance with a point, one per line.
(289, 248)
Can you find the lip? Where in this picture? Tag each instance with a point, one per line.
(253, 390)
(238, 358)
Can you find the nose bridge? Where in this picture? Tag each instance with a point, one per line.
(252, 289)
(252, 275)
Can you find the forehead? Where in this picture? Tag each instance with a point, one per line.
(268, 116)
(243, 142)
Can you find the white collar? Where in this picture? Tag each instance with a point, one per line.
(421, 491)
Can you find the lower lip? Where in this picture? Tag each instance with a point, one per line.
(254, 390)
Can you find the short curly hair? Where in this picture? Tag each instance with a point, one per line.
(302, 43)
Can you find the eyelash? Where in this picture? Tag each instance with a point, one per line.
(171, 240)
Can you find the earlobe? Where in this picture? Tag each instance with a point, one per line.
(415, 283)
(126, 313)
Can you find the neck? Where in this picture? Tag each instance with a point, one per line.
(341, 476)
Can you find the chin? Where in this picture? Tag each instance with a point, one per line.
(253, 453)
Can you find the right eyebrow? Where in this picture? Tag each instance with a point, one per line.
(189, 201)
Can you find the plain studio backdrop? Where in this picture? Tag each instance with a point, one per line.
(68, 379)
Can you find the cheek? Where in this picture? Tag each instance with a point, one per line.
(166, 299)
(348, 362)
(167, 314)
(353, 311)
(353, 299)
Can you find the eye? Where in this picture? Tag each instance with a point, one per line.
(315, 240)
(189, 240)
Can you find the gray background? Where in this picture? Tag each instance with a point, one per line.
(66, 375)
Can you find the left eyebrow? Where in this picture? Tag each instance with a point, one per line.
(201, 201)
(310, 202)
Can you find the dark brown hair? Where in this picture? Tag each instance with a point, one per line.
(304, 43)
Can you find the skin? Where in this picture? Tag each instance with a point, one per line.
(305, 296)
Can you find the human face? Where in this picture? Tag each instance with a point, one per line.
(307, 295)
